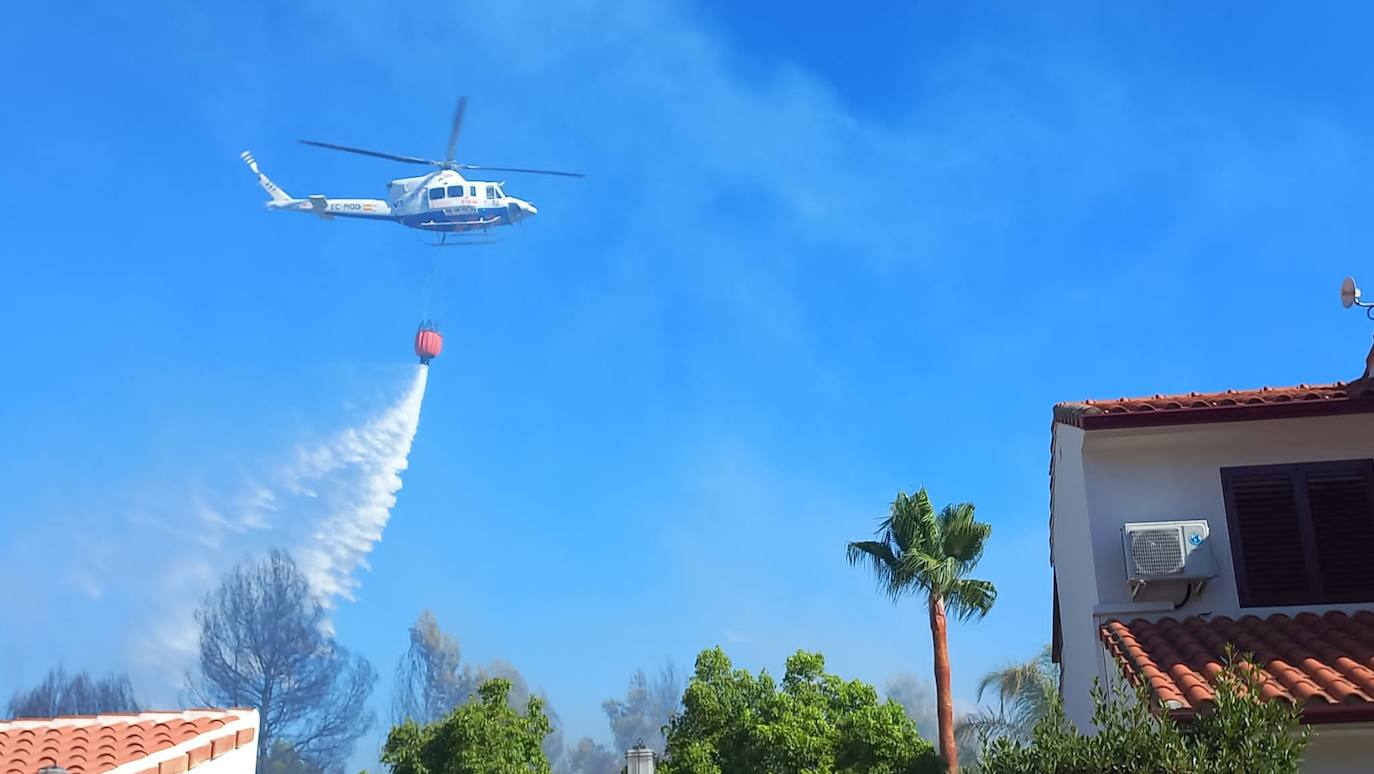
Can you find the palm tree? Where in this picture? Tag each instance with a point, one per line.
(1026, 694)
(921, 552)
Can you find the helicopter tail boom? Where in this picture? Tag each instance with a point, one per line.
(273, 190)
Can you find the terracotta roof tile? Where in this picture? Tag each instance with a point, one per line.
(1324, 664)
(97, 744)
(1230, 405)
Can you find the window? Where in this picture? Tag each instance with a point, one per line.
(1302, 534)
(472, 190)
(436, 193)
(491, 192)
(455, 190)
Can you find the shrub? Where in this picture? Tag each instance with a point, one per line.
(1241, 733)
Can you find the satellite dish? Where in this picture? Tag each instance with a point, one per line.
(1350, 294)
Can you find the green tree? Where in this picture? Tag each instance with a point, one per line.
(1242, 732)
(732, 721)
(1026, 694)
(921, 552)
(483, 736)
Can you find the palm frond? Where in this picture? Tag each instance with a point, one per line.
(887, 568)
(982, 726)
(961, 535)
(1035, 701)
(928, 534)
(1009, 680)
(1045, 660)
(1026, 693)
(932, 573)
(969, 598)
(903, 523)
(919, 549)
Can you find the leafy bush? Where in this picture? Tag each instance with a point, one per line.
(1243, 733)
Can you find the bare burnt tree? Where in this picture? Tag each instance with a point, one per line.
(264, 643)
(78, 694)
(284, 760)
(429, 678)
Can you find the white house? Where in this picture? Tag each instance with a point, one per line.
(209, 741)
(1273, 551)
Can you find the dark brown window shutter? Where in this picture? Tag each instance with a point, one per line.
(1266, 539)
(1302, 534)
(1339, 497)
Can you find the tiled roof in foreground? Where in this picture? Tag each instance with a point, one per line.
(1324, 664)
(141, 743)
(1231, 405)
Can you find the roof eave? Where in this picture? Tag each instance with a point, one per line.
(1089, 417)
(1312, 715)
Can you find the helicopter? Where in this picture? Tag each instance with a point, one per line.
(442, 201)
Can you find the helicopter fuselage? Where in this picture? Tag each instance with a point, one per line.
(446, 201)
(442, 201)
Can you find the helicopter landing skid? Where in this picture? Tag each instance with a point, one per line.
(460, 241)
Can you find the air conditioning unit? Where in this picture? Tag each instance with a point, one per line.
(1167, 550)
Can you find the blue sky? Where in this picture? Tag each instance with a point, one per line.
(821, 256)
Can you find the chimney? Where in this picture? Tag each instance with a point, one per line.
(639, 759)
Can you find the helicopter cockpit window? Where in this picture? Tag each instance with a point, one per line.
(491, 192)
(455, 190)
(436, 193)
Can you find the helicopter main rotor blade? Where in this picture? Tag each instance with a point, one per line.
(376, 154)
(519, 169)
(457, 125)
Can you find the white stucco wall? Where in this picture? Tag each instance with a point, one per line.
(1162, 474)
(1174, 473)
(1074, 571)
(243, 760)
(1340, 749)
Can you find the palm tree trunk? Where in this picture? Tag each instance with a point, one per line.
(944, 699)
